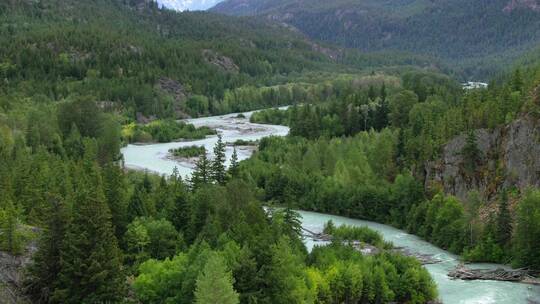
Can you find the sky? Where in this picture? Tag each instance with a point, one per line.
(192, 5)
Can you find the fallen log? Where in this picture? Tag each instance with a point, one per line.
(510, 275)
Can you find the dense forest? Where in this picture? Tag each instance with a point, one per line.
(474, 37)
(80, 79)
(364, 156)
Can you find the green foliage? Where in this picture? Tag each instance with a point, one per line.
(219, 174)
(270, 116)
(526, 245)
(234, 166)
(352, 233)
(472, 156)
(188, 152)
(338, 273)
(43, 273)
(164, 131)
(202, 173)
(215, 283)
(413, 26)
(286, 276)
(11, 235)
(151, 238)
(91, 262)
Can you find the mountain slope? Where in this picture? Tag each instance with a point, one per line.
(458, 31)
(120, 51)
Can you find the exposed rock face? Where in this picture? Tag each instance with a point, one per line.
(510, 158)
(222, 62)
(177, 91)
(333, 54)
(172, 87)
(11, 275)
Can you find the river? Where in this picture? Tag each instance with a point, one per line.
(154, 158)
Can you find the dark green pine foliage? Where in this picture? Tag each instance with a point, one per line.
(234, 167)
(10, 238)
(472, 156)
(73, 143)
(43, 272)
(202, 173)
(137, 203)
(504, 221)
(91, 270)
(526, 244)
(293, 223)
(219, 174)
(114, 186)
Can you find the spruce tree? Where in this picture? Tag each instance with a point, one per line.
(472, 156)
(137, 204)
(42, 274)
(91, 269)
(233, 168)
(73, 144)
(218, 163)
(201, 175)
(526, 244)
(10, 235)
(504, 221)
(114, 186)
(215, 283)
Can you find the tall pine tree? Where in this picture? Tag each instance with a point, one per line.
(91, 270)
(218, 163)
(504, 221)
(43, 272)
(233, 168)
(202, 172)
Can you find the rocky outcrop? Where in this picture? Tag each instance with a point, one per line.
(333, 54)
(178, 93)
(224, 63)
(510, 157)
(173, 88)
(12, 274)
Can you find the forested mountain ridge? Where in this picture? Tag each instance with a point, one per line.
(477, 36)
(141, 59)
(121, 52)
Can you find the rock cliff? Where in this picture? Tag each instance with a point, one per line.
(510, 157)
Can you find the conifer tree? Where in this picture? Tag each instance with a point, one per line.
(504, 221)
(215, 283)
(202, 172)
(137, 203)
(233, 168)
(10, 235)
(114, 186)
(73, 144)
(526, 244)
(91, 260)
(472, 156)
(218, 163)
(45, 268)
(517, 80)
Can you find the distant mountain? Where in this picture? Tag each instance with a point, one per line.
(191, 5)
(464, 33)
